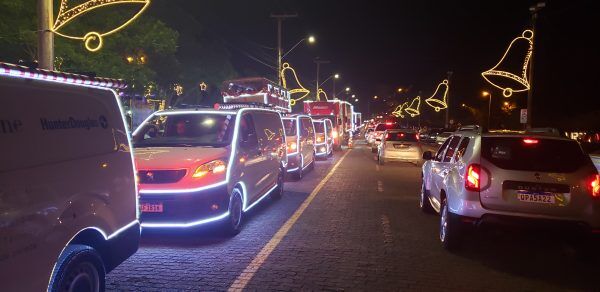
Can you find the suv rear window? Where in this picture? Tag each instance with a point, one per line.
(545, 155)
(383, 127)
(401, 136)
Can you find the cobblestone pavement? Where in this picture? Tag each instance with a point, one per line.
(362, 231)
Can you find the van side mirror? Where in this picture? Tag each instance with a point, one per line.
(427, 155)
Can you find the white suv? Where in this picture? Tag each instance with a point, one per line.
(481, 178)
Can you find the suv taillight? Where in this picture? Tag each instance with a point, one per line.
(594, 186)
(473, 178)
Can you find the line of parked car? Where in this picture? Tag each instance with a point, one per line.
(76, 190)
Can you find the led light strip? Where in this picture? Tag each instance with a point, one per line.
(186, 224)
(261, 198)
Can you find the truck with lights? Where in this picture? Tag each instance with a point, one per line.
(341, 115)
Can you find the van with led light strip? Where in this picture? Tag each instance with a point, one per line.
(300, 137)
(199, 166)
(324, 138)
(68, 201)
(487, 178)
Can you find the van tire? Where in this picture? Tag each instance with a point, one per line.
(450, 228)
(234, 221)
(79, 268)
(278, 192)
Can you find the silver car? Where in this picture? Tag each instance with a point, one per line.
(478, 178)
(400, 145)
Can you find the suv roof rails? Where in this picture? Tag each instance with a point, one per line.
(544, 131)
(470, 128)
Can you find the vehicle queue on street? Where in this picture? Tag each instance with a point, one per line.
(77, 208)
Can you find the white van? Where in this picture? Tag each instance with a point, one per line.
(300, 137)
(324, 136)
(68, 203)
(198, 166)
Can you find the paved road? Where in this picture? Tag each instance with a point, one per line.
(361, 231)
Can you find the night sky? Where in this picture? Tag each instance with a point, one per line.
(378, 46)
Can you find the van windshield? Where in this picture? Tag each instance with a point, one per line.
(290, 127)
(186, 130)
(319, 127)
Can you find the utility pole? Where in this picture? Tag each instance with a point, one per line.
(447, 123)
(319, 62)
(45, 48)
(534, 15)
(280, 18)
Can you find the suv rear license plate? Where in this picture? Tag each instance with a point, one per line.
(401, 146)
(536, 198)
(151, 207)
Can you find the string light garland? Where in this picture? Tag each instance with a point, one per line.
(413, 108)
(439, 104)
(93, 40)
(521, 81)
(300, 90)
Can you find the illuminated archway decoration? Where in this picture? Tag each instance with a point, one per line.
(399, 110)
(320, 93)
(439, 103)
(93, 40)
(413, 108)
(300, 90)
(519, 82)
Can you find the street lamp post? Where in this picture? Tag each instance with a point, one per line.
(534, 15)
(319, 62)
(487, 93)
(280, 18)
(45, 35)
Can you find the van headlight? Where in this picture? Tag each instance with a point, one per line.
(214, 167)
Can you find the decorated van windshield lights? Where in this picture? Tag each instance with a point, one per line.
(518, 81)
(301, 90)
(93, 40)
(413, 108)
(439, 103)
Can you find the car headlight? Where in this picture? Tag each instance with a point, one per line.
(213, 167)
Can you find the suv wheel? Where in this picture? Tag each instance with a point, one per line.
(424, 203)
(450, 232)
(79, 268)
(236, 212)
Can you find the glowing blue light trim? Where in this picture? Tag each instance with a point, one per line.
(293, 169)
(179, 191)
(261, 198)
(118, 231)
(321, 153)
(186, 224)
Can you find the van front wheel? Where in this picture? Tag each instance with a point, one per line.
(79, 268)
(233, 224)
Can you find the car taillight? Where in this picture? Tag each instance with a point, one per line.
(291, 146)
(529, 141)
(594, 186)
(473, 178)
(387, 136)
(417, 137)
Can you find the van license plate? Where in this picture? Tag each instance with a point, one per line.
(151, 207)
(537, 198)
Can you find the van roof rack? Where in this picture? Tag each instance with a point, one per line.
(470, 128)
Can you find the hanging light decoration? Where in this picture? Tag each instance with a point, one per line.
(413, 108)
(500, 77)
(93, 40)
(439, 102)
(298, 89)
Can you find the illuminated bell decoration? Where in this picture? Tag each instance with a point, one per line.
(399, 111)
(500, 77)
(203, 86)
(322, 92)
(413, 108)
(439, 103)
(270, 134)
(298, 89)
(93, 40)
